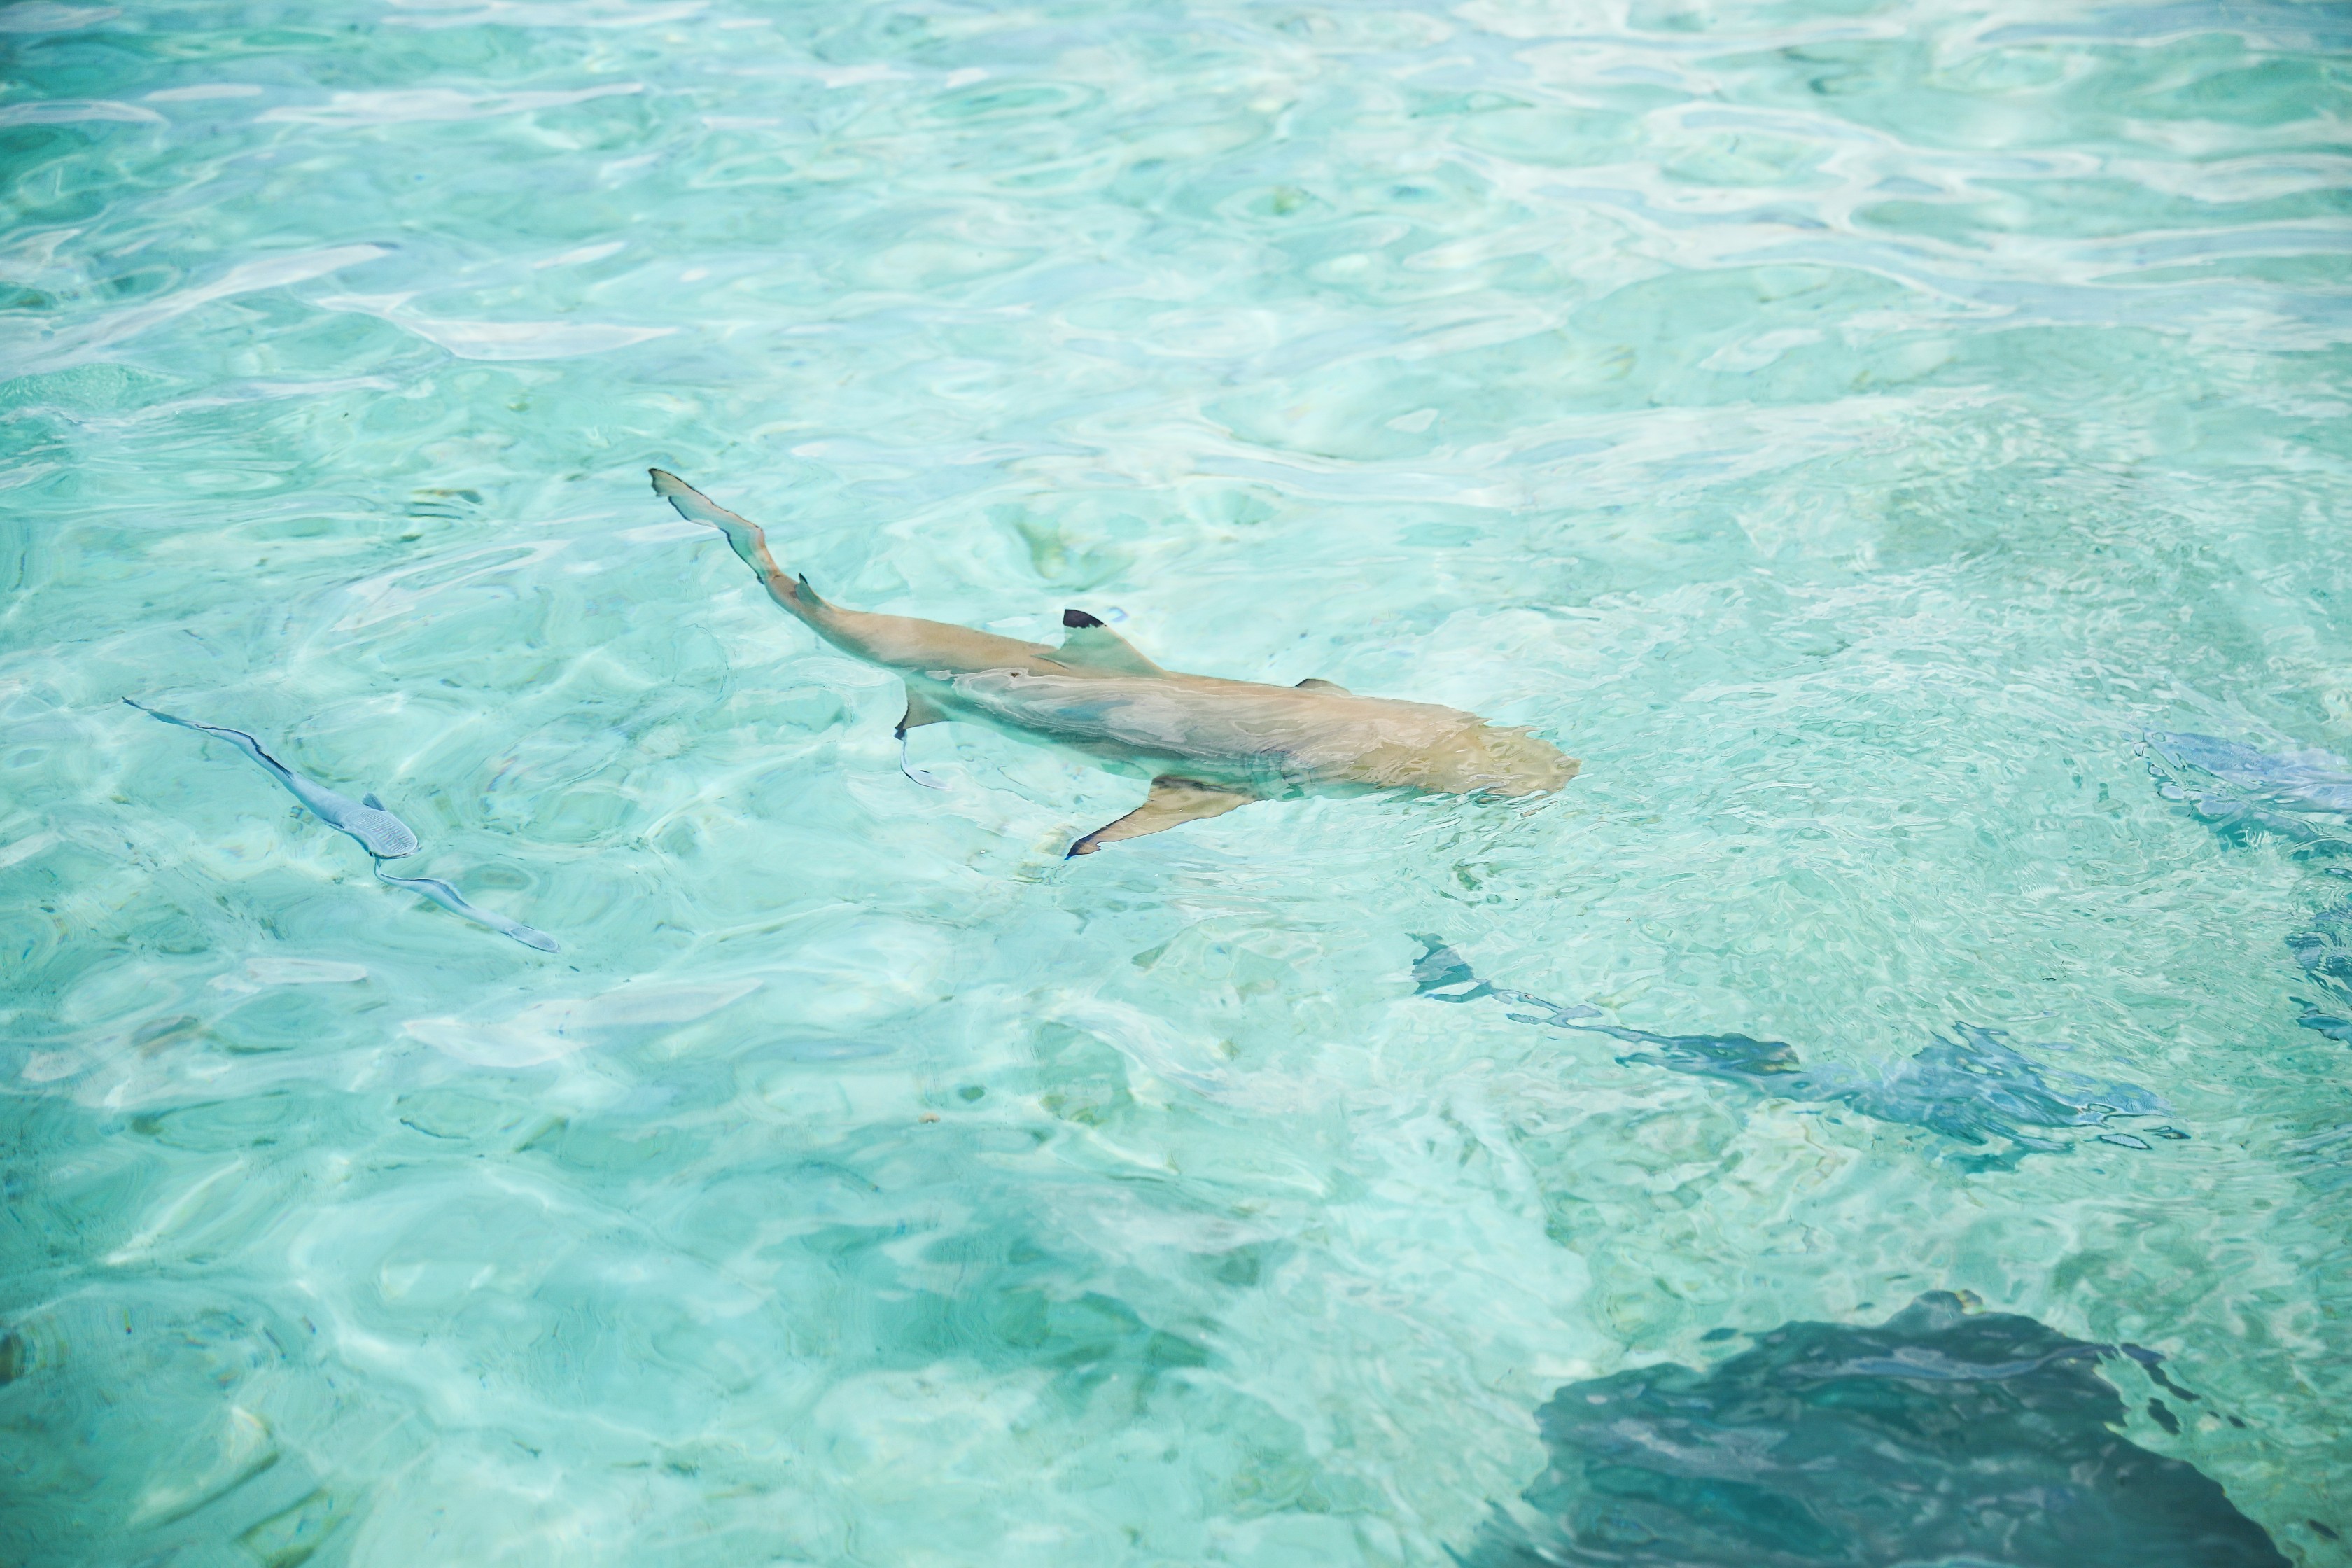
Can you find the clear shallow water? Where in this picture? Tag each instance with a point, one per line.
(1854, 431)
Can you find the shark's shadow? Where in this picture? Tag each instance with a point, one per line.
(2245, 795)
(1940, 1435)
(1974, 1088)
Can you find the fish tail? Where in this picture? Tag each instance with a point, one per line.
(745, 538)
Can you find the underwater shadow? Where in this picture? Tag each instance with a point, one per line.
(1974, 1088)
(2304, 797)
(1941, 1436)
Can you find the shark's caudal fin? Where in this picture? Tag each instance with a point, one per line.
(741, 532)
(1094, 646)
(1173, 802)
(743, 536)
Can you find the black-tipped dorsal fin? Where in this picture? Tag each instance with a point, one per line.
(1312, 683)
(1094, 646)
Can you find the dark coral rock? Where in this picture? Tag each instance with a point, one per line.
(1939, 1437)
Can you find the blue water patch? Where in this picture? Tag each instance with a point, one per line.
(1973, 1085)
(2304, 797)
(1836, 421)
(1942, 1435)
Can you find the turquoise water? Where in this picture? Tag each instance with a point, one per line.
(1902, 450)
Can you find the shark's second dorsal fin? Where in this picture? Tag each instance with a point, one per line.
(1094, 646)
(1312, 683)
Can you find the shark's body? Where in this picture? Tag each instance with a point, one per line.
(1207, 746)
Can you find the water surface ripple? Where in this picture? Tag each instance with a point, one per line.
(1876, 437)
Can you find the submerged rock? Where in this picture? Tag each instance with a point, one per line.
(1940, 1437)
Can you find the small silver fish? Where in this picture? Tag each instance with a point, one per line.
(384, 836)
(379, 832)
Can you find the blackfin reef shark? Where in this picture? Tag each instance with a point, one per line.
(1207, 746)
(370, 824)
(1971, 1089)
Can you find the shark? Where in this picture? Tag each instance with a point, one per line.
(1208, 745)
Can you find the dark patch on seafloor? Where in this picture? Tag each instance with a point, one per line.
(1973, 1088)
(1939, 1437)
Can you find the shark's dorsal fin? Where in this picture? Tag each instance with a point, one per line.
(1094, 646)
(1314, 684)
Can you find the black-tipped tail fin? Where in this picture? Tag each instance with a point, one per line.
(743, 536)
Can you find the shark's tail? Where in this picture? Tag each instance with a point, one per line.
(744, 537)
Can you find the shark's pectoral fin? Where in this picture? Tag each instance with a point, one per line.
(370, 802)
(1314, 684)
(1173, 802)
(920, 711)
(1094, 646)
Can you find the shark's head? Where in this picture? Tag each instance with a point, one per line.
(1488, 760)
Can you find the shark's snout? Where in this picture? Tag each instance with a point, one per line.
(1513, 762)
(1551, 775)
